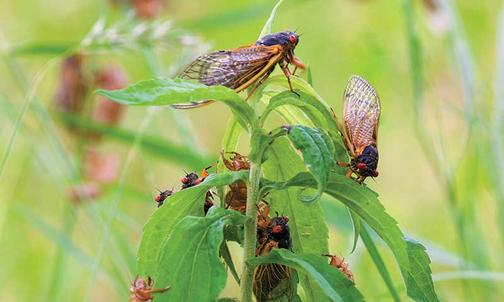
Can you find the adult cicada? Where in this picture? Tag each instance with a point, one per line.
(361, 116)
(244, 67)
(273, 281)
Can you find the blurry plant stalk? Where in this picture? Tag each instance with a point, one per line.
(71, 98)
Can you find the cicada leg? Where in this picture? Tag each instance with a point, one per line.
(287, 74)
(349, 173)
(361, 179)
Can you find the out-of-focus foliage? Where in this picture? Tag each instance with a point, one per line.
(434, 64)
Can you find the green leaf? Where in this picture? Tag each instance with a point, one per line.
(317, 150)
(313, 106)
(356, 228)
(268, 26)
(159, 92)
(159, 227)
(261, 140)
(419, 279)
(411, 256)
(329, 280)
(226, 256)
(380, 265)
(190, 262)
(308, 230)
(363, 202)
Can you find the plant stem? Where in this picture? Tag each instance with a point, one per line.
(250, 230)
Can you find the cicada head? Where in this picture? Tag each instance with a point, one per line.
(279, 231)
(367, 162)
(287, 39)
(160, 198)
(189, 180)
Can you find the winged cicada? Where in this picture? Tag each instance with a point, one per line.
(361, 115)
(244, 67)
(273, 281)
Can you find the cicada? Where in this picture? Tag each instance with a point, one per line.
(142, 291)
(160, 198)
(273, 281)
(244, 67)
(361, 116)
(192, 179)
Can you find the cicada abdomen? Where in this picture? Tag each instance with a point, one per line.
(361, 116)
(242, 67)
(272, 282)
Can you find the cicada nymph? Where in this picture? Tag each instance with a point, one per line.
(339, 263)
(244, 67)
(142, 290)
(361, 116)
(273, 281)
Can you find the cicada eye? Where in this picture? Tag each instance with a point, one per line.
(158, 198)
(293, 39)
(276, 229)
(361, 166)
(184, 180)
(375, 173)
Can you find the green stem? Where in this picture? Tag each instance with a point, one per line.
(250, 230)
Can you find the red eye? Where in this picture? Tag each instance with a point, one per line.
(184, 180)
(158, 198)
(276, 229)
(293, 39)
(375, 173)
(361, 166)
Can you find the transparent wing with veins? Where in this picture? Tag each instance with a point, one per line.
(230, 68)
(361, 113)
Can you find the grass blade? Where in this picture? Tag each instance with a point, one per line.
(378, 261)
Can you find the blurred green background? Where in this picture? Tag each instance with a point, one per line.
(435, 65)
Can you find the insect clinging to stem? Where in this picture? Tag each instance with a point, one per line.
(244, 67)
(273, 281)
(361, 117)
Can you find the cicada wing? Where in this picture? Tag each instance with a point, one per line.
(272, 282)
(361, 113)
(236, 68)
